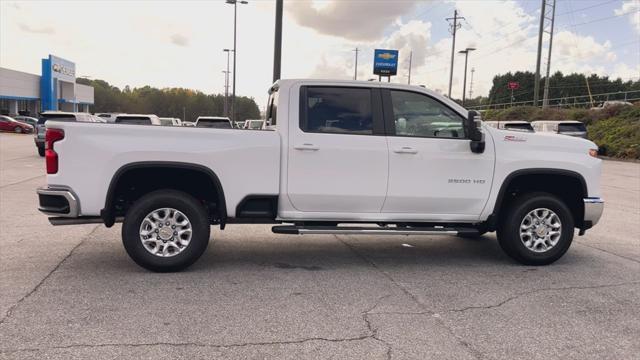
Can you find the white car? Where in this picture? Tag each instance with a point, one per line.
(515, 125)
(611, 103)
(336, 156)
(217, 122)
(27, 120)
(167, 121)
(563, 127)
(253, 124)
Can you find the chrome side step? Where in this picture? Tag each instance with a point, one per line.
(59, 221)
(345, 230)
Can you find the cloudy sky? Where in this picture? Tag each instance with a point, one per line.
(179, 43)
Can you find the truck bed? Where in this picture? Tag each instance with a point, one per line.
(91, 153)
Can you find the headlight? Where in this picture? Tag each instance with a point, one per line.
(593, 152)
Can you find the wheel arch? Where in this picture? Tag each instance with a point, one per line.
(523, 175)
(108, 214)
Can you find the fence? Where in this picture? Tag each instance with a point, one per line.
(572, 101)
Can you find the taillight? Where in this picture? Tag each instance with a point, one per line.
(51, 157)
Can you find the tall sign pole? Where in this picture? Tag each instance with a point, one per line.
(536, 85)
(410, 58)
(355, 71)
(277, 51)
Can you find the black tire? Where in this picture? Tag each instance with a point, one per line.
(17, 130)
(509, 228)
(41, 151)
(183, 202)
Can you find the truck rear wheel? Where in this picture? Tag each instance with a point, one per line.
(166, 231)
(537, 229)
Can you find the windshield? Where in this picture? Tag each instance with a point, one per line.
(571, 127)
(214, 123)
(519, 127)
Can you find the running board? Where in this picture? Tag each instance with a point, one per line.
(344, 230)
(59, 221)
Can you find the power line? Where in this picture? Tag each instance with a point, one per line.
(587, 7)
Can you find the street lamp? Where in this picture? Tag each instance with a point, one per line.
(466, 58)
(235, 20)
(226, 83)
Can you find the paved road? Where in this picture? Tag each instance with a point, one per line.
(71, 292)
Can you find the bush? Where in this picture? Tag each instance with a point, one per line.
(617, 137)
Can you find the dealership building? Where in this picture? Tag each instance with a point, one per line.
(54, 89)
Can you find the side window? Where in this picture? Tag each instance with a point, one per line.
(337, 110)
(421, 116)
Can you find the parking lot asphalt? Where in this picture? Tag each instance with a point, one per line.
(71, 292)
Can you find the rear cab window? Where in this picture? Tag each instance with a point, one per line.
(214, 123)
(571, 127)
(337, 110)
(133, 120)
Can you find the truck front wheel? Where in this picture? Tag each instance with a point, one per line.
(537, 229)
(166, 230)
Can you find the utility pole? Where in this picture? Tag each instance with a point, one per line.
(466, 59)
(536, 86)
(410, 58)
(226, 84)
(355, 72)
(471, 84)
(277, 50)
(454, 28)
(235, 52)
(545, 97)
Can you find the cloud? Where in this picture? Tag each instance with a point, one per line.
(48, 30)
(353, 20)
(179, 39)
(569, 44)
(631, 7)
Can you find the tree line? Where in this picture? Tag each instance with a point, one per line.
(564, 89)
(186, 104)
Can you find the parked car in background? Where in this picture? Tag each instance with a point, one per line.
(39, 136)
(253, 124)
(109, 117)
(564, 127)
(137, 119)
(27, 120)
(188, 124)
(240, 124)
(608, 104)
(8, 123)
(217, 122)
(515, 125)
(168, 121)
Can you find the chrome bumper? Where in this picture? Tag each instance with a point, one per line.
(593, 208)
(58, 202)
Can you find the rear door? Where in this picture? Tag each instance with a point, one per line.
(337, 153)
(432, 170)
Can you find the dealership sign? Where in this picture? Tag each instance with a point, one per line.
(385, 62)
(62, 69)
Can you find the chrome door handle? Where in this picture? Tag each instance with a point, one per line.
(306, 146)
(405, 150)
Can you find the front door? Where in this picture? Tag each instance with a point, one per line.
(337, 154)
(432, 170)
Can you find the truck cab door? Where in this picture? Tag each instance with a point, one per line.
(337, 153)
(432, 171)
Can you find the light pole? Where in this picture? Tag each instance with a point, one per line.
(226, 84)
(466, 58)
(235, 52)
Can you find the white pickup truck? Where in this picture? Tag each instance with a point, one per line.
(339, 157)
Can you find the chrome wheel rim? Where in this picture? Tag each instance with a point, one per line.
(540, 230)
(165, 232)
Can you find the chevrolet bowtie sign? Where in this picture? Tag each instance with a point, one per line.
(385, 62)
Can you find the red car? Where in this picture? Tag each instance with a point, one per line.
(9, 124)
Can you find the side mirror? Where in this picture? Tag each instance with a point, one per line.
(472, 127)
